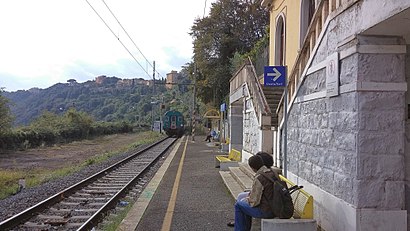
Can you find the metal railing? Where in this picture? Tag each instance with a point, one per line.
(257, 89)
(247, 74)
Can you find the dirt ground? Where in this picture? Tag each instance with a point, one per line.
(65, 154)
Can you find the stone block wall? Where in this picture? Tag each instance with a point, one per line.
(322, 143)
(353, 142)
(380, 151)
(407, 140)
(352, 146)
(251, 131)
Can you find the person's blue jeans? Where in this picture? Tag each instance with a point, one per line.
(244, 213)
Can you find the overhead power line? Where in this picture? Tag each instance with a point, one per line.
(118, 38)
(112, 13)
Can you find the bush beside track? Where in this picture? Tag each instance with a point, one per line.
(51, 129)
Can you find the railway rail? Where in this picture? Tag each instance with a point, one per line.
(83, 205)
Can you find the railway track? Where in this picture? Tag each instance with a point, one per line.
(83, 205)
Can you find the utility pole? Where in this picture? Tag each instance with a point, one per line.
(194, 107)
(153, 77)
(153, 93)
(160, 113)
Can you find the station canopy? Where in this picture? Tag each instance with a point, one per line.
(212, 114)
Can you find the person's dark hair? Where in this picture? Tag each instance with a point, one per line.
(255, 162)
(266, 158)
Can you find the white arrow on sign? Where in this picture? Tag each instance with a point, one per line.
(275, 75)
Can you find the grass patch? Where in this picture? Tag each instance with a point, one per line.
(144, 138)
(147, 138)
(113, 222)
(9, 178)
(9, 182)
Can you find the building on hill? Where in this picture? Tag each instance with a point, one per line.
(347, 127)
(104, 80)
(172, 79)
(132, 82)
(125, 83)
(141, 81)
(100, 79)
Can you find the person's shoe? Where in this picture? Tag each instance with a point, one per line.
(231, 224)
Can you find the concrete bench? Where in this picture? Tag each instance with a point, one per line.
(302, 217)
(225, 161)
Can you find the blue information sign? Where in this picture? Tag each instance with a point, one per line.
(275, 76)
(223, 107)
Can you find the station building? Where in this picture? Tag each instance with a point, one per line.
(345, 133)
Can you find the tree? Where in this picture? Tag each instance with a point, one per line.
(47, 121)
(232, 26)
(5, 116)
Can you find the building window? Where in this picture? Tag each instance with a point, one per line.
(280, 41)
(307, 10)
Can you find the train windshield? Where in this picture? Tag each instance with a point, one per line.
(173, 122)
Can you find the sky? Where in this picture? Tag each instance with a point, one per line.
(45, 42)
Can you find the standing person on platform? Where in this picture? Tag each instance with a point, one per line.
(209, 136)
(256, 204)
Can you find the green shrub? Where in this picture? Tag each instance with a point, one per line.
(49, 129)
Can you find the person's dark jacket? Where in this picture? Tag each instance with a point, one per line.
(262, 190)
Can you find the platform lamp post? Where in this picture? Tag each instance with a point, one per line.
(162, 106)
(153, 103)
(153, 93)
(152, 116)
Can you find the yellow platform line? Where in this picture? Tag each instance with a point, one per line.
(134, 216)
(166, 225)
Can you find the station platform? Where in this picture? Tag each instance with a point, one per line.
(187, 192)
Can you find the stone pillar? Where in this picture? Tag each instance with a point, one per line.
(378, 186)
(266, 135)
(349, 150)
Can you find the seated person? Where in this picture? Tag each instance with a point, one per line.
(256, 203)
(267, 158)
(213, 134)
(268, 162)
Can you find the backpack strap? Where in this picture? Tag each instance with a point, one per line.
(295, 188)
(276, 178)
(273, 183)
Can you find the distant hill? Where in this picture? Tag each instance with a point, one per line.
(105, 98)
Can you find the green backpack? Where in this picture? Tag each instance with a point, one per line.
(281, 203)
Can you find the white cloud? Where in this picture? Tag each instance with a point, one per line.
(46, 41)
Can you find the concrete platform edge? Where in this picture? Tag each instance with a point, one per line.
(134, 216)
